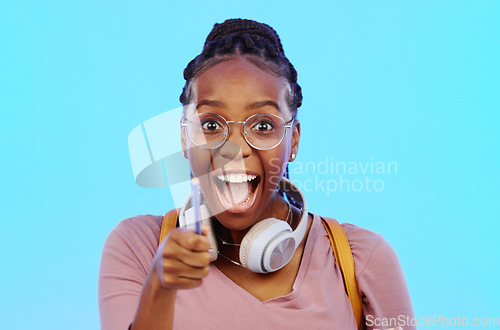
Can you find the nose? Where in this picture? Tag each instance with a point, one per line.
(236, 143)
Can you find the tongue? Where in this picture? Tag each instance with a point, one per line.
(236, 193)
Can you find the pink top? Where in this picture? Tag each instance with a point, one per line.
(318, 300)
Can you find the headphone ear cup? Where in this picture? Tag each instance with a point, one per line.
(254, 244)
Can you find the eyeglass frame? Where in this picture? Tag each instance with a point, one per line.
(184, 123)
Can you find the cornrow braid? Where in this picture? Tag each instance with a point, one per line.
(257, 42)
(241, 26)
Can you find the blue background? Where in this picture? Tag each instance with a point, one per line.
(414, 82)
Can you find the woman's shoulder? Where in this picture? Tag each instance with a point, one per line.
(367, 247)
(140, 231)
(146, 224)
(140, 222)
(378, 273)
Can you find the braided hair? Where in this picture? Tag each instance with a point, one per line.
(257, 42)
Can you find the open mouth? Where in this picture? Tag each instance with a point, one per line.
(236, 191)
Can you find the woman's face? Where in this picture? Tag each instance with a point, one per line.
(238, 181)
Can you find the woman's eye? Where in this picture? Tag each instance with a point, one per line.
(210, 125)
(264, 126)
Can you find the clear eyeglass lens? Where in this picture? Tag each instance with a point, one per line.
(207, 130)
(262, 131)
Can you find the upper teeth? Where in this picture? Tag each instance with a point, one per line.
(237, 178)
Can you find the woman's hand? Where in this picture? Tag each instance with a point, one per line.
(182, 260)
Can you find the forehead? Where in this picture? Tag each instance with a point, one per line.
(236, 84)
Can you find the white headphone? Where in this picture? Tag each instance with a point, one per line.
(269, 245)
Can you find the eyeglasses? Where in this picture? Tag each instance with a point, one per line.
(262, 131)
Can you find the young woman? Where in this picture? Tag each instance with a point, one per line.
(239, 132)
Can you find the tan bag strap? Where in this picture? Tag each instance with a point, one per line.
(341, 251)
(169, 222)
(345, 261)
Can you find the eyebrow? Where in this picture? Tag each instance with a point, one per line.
(261, 104)
(254, 105)
(211, 103)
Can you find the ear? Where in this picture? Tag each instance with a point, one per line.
(294, 147)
